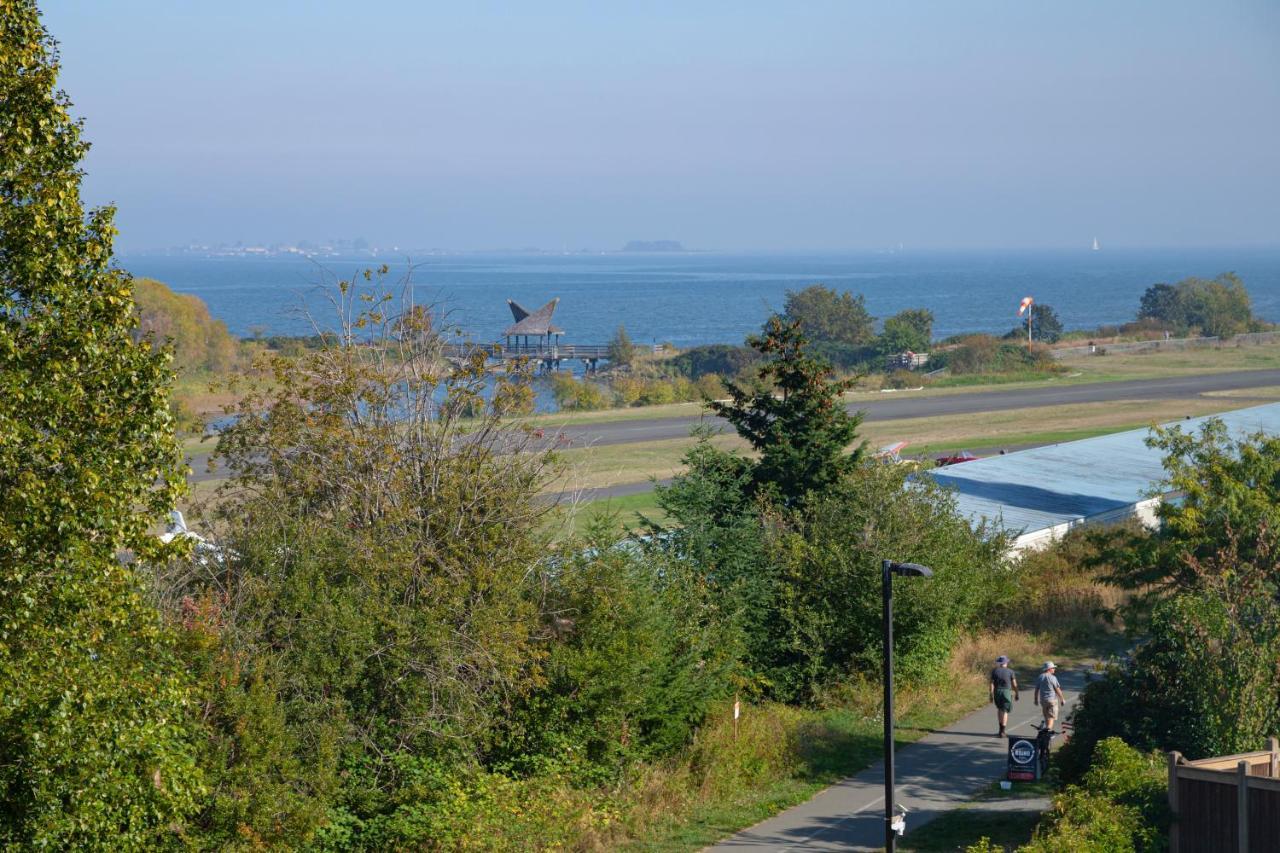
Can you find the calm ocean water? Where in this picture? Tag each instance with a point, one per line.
(691, 299)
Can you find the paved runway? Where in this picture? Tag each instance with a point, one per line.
(903, 405)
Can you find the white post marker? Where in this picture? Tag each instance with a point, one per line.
(737, 712)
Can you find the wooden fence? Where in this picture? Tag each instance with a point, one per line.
(1229, 804)
(1253, 338)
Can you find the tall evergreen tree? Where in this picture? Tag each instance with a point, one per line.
(92, 735)
(796, 419)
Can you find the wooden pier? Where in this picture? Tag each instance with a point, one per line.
(546, 355)
(533, 337)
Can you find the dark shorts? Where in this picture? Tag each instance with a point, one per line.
(1004, 699)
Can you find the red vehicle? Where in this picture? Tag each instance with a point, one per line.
(955, 458)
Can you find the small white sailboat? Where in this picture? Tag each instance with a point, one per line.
(1095, 244)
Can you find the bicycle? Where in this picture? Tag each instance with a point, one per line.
(1044, 740)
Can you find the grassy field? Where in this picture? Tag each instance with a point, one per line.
(620, 513)
(1044, 424)
(1141, 365)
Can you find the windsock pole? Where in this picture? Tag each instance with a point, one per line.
(1025, 305)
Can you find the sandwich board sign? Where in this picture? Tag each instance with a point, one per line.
(1023, 766)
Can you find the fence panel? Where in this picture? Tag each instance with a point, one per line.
(1264, 820)
(1207, 816)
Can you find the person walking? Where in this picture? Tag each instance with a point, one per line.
(1049, 694)
(1003, 691)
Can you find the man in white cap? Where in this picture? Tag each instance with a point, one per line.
(1002, 691)
(1049, 693)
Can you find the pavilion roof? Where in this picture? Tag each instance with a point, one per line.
(532, 322)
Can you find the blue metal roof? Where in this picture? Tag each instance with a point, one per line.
(1034, 490)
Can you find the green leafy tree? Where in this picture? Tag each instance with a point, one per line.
(804, 583)
(907, 331)
(1218, 306)
(621, 350)
(825, 316)
(1230, 492)
(825, 620)
(1203, 682)
(795, 418)
(269, 779)
(715, 521)
(1160, 303)
(94, 739)
(641, 650)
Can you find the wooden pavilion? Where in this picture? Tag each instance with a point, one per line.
(533, 324)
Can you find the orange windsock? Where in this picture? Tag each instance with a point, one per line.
(1024, 305)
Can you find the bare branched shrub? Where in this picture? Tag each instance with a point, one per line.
(382, 536)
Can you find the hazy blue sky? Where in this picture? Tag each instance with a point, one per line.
(722, 124)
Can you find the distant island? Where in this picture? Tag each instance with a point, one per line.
(654, 246)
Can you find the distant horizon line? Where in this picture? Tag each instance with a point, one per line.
(261, 250)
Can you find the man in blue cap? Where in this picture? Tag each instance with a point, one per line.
(1003, 691)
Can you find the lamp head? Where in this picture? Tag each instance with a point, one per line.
(908, 570)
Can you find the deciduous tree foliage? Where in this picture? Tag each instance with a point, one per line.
(200, 343)
(644, 646)
(794, 540)
(621, 350)
(907, 331)
(1204, 681)
(829, 317)
(1160, 303)
(385, 543)
(1218, 306)
(1230, 493)
(94, 748)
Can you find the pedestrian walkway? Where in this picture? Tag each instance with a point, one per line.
(935, 774)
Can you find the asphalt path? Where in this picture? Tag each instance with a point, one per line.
(934, 775)
(900, 405)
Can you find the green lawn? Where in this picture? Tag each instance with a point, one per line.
(622, 514)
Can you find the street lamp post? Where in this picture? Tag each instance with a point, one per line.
(888, 569)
